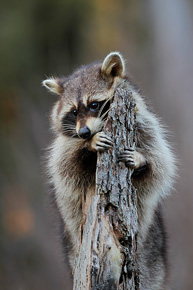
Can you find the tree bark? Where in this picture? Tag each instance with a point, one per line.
(107, 254)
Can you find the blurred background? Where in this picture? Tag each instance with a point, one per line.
(42, 38)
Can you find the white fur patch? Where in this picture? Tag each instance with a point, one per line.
(116, 61)
(52, 85)
(94, 124)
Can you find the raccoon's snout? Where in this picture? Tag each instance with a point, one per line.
(84, 132)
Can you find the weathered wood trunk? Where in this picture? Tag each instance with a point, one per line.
(107, 254)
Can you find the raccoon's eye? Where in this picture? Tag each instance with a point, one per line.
(74, 112)
(94, 106)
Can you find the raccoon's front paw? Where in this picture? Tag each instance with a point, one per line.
(101, 142)
(132, 158)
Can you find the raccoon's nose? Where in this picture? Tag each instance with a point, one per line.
(84, 132)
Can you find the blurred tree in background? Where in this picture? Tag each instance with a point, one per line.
(43, 38)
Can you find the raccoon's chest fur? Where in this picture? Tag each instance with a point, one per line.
(83, 168)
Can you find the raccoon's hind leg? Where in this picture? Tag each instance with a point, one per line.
(100, 142)
(133, 159)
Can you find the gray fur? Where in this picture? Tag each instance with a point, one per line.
(72, 160)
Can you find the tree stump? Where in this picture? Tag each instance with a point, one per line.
(107, 254)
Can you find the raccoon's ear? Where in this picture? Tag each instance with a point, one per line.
(52, 85)
(113, 65)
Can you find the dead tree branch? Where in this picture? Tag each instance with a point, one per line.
(107, 255)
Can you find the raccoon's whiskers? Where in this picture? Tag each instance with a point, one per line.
(101, 109)
(105, 113)
(75, 135)
(68, 127)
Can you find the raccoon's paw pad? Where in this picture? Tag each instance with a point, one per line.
(101, 142)
(132, 158)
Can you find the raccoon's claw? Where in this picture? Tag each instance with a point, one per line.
(132, 158)
(101, 142)
(127, 156)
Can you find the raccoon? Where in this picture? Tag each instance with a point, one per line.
(77, 120)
